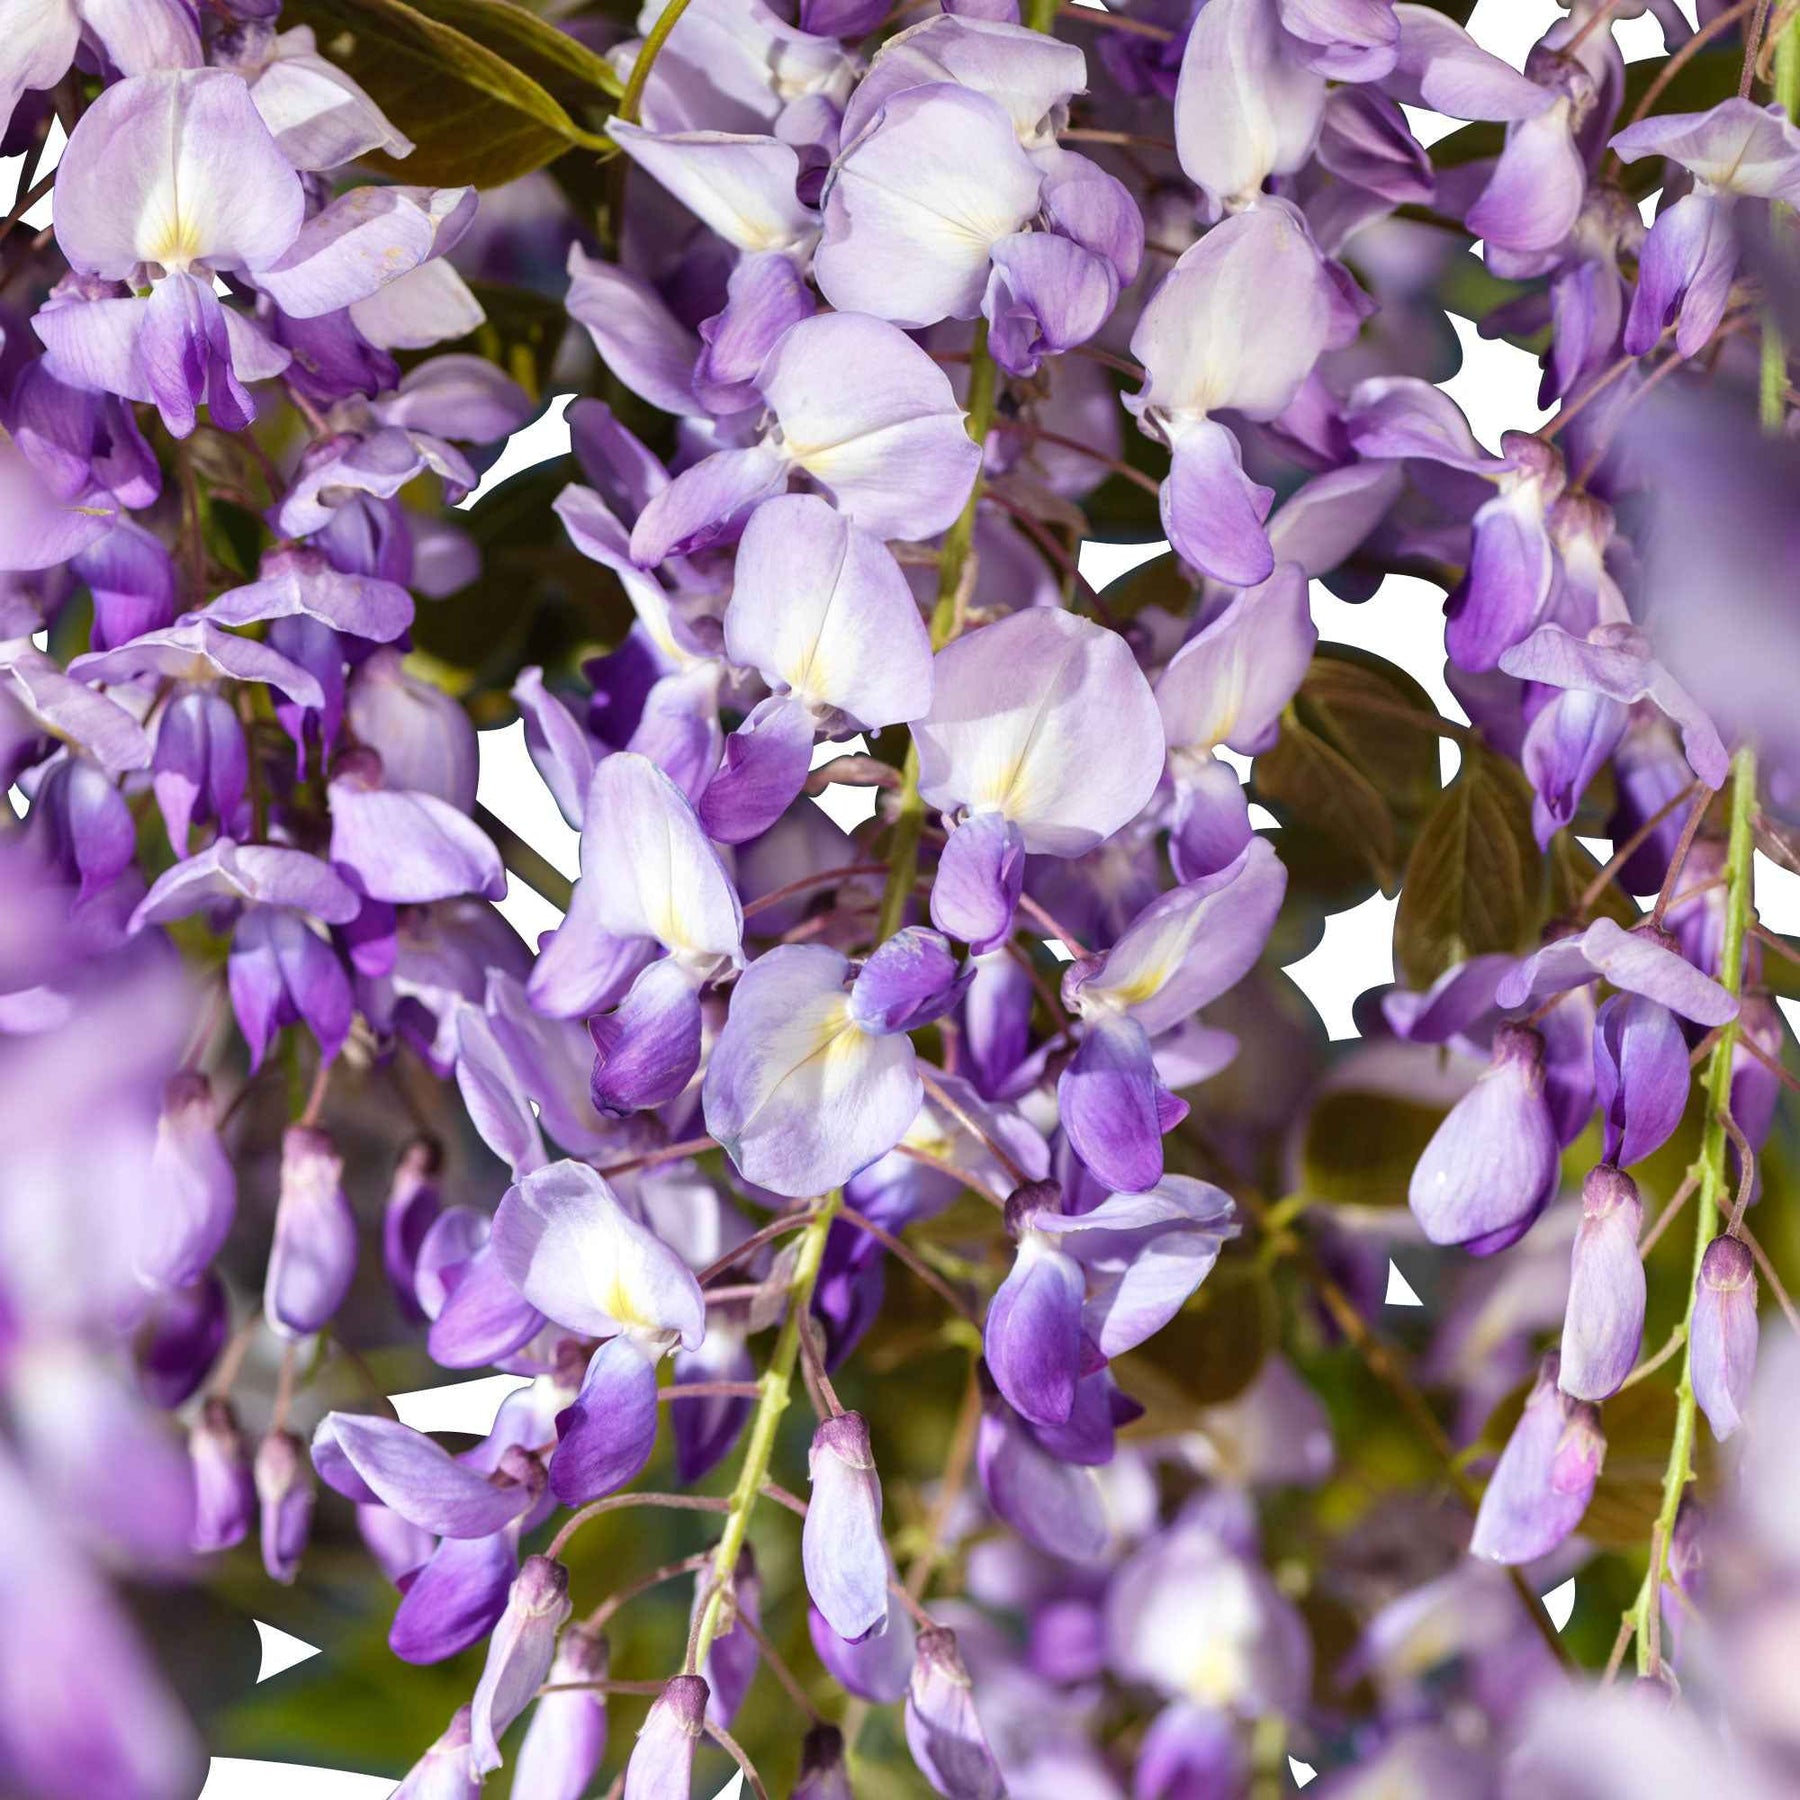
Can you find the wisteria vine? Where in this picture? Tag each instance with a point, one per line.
(986, 1125)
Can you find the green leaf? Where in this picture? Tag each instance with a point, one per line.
(563, 65)
(1474, 878)
(537, 599)
(1304, 778)
(1357, 758)
(1360, 1146)
(1572, 868)
(473, 115)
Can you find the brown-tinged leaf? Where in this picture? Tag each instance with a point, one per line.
(1359, 1147)
(473, 115)
(1475, 876)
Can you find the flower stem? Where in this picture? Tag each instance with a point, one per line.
(1774, 348)
(777, 1384)
(1713, 1144)
(946, 621)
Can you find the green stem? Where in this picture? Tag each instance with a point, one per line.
(536, 871)
(953, 561)
(1739, 910)
(633, 99)
(1774, 350)
(777, 1386)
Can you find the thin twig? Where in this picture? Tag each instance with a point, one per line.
(1038, 435)
(778, 1667)
(668, 1153)
(899, 1248)
(1036, 910)
(1672, 874)
(1768, 1269)
(1689, 1182)
(686, 1565)
(1679, 61)
(794, 1221)
(1747, 1042)
(1677, 1338)
(973, 1126)
(823, 878)
(1089, 15)
(709, 1390)
(1620, 1643)
(736, 1752)
(1746, 1166)
(617, 1502)
(913, 1153)
(1623, 853)
(773, 1490)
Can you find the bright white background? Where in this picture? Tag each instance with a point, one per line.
(1496, 388)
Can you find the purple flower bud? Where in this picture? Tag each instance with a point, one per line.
(1722, 1338)
(1033, 1338)
(647, 1050)
(662, 1759)
(423, 735)
(1545, 1477)
(942, 1729)
(732, 1658)
(566, 1739)
(313, 1259)
(224, 1488)
(456, 1599)
(1603, 1329)
(996, 1022)
(841, 1546)
(201, 771)
(1490, 1167)
(1055, 1506)
(1640, 1076)
(823, 1775)
(180, 1339)
(194, 1190)
(878, 1668)
(285, 1491)
(414, 1204)
(909, 981)
(519, 1656)
(1190, 1752)
(443, 1772)
(1568, 1033)
(606, 1435)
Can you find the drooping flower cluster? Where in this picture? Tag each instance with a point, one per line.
(859, 309)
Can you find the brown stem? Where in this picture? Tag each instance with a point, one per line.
(708, 1390)
(778, 1667)
(1666, 1217)
(773, 1490)
(1679, 61)
(736, 1752)
(1623, 853)
(1747, 1042)
(1672, 874)
(1039, 533)
(1033, 909)
(617, 1502)
(973, 1126)
(1083, 134)
(823, 878)
(670, 1571)
(1752, 43)
(1768, 1270)
(668, 1153)
(769, 1233)
(1149, 483)
(900, 1249)
(1746, 1167)
(1089, 15)
(913, 1153)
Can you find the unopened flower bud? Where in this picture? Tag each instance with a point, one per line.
(414, 1203)
(1603, 1328)
(193, 1189)
(520, 1653)
(1545, 1478)
(566, 1739)
(823, 1775)
(942, 1729)
(443, 1772)
(1491, 1165)
(841, 1546)
(286, 1491)
(1722, 1337)
(313, 1259)
(224, 1489)
(662, 1759)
